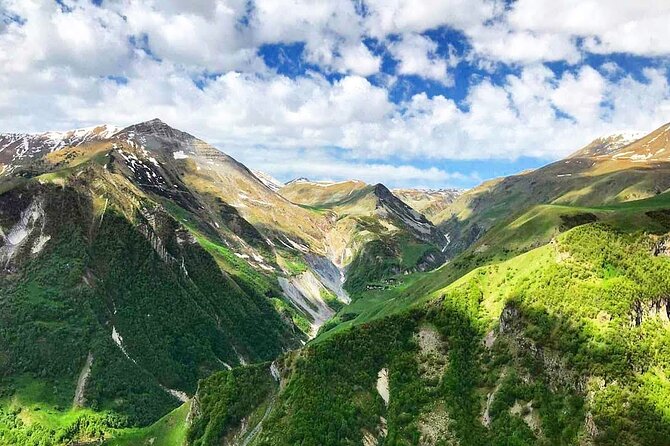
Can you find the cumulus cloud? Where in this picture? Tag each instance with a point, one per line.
(638, 27)
(417, 55)
(546, 30)
(76, 64)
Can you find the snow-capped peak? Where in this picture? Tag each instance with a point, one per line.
(607, 145)
(267, 179)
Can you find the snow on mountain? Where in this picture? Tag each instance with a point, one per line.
(18, 148)
(607, 145)
(267, 179)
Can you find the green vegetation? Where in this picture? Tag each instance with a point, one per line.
(179, 315)
(567, 357)
(225, 398)
(168, 431)
(550, 324)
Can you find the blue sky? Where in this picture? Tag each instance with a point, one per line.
(429, 93)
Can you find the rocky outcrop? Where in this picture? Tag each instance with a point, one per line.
(559, 374)
(330, 275)
(29, 229)
(383, 385)
(79, 399)
(657, 308)
(305, 292)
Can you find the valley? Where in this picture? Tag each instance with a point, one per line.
(155, 291)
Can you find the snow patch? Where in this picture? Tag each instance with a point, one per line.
(179, 155)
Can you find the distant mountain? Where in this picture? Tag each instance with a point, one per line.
(20, 149)
(607, 145)
(374, 234)
(429, 202)
(608, 171)
(268, 180)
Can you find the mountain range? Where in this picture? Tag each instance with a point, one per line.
(154, 290)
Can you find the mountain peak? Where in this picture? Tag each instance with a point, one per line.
(157, 128)
(606, 145)
(299, 180)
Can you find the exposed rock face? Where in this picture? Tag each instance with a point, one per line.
(528, 414)
(330, 275)
(383, 385)
(557, 371)
(29, 229)
(433, 354)
(436, 428)
(304, 290)
(79, 399)
(417, 224)
(658, 308)
(662, 247)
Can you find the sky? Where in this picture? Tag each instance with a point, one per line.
(411, 93)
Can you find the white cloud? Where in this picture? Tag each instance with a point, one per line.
(322, 164)
(639, 27)
(358, 59)
(55, 70)
(410, 16)
(500, 43)
(580, 96)
(87, 40)
(417, 54)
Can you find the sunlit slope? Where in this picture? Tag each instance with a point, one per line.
(113, 308)
(550, 347)
(605, 172)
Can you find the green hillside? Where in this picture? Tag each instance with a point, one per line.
(563, 345)
(126, 285)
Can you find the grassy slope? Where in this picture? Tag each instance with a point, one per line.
(533, 229)
(168, 431)
(590, 183)
(567, 348)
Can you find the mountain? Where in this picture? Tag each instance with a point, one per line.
(158, 260)
(151, 283)
(374, 234)
(559, 339)
(545, 348)
(607, 145)
(201, 307)
(429, 202)
(268, 180)
(525, 210)
(17, 149)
